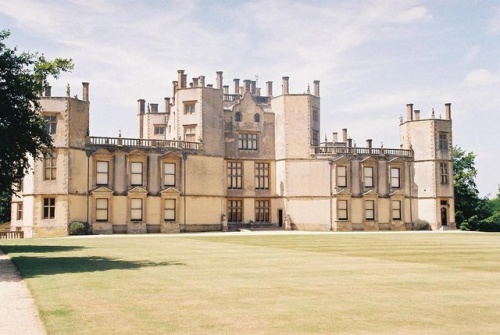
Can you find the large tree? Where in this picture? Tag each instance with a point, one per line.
(470, 208)
(22, 128)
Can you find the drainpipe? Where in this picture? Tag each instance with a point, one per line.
(331, 195)
(411, 196)
(88, 186)
(184, 158)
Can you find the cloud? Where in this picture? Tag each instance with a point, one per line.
(493, 26)
(481, 77)
(414, 14)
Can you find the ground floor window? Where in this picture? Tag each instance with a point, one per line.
(262, 211)
(370, 210)
(342, 210)
(136, 209)
(49, 208)
(101, 209)
(169, 211)
(235, 211)
(396, 210)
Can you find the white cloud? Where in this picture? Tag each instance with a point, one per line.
(471, 54)
(481, 77)
(414, 14)
(493, 26)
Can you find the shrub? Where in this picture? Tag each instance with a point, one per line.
(421, 225)
(78, 228)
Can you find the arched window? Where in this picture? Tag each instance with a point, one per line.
(256, 117)
(237, 117)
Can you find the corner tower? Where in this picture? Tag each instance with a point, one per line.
(432, 187)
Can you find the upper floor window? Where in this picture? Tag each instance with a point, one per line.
(190, 133)
(370, 210)
(159, 130)
(169, 174)
(102, 173)
(247, 141)
(443, 168)
(189, 107)
(234, 175)
(443, 141)
(50, 166)
(341, 176)
(395, 177)
(262, 176)
(368, 176)
(19, 214)
(237, 117)
(256, 117)
(49, 208)
(342, 210)
(50, 124)
(315, 114)
(136, 173)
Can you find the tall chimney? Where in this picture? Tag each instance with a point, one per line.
(195, 82)
(226, 89)
(85, 94)
(247, 85)
(180, 77)
(285, 85)
(253, 86)
(344, 135)
(349, 142)
(447, 107)
(174, 87)
(335, 137)
(257, 91)
(184, 80)
(316, 88)
(202, 81)
(409, 112)
(219, 79)
(269, 88)
(141, 104)
(417, 114)
(153, 108)
(369, 143)
(47, 92)
(167, 105)
(236, 86)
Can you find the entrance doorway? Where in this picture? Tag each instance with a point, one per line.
(280, 218)
(444, 216)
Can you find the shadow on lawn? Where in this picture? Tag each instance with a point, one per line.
(31, 267)
(10, 249)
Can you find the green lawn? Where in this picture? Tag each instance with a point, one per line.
(378, 283)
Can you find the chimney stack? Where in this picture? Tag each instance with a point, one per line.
(247, 83)
(48, 90)
(180, 79)
(344, 135)
(285, 85)
(236, 86)
(226, 89)
(253, 87)
(153, 108)
(219, 80)
(349, 142)
(335, 137)
(369, 143)
(202, 81)
(210, 85)
(85, 94)
(167, 105)
(409, 112)
(417, 114)
(316, 88)
(257, 91)
(447, 107)
(195, 82)
(269, 88)
(141, 104)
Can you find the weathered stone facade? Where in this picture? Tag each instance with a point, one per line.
(212, 160)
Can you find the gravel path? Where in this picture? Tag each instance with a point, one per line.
(18, 313)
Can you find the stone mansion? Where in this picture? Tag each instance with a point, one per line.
(213, 158)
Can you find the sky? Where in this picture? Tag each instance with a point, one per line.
(372, 57)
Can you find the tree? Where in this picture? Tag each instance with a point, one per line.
(22, 78)
(470, 209)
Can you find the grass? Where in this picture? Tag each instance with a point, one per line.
(381, 283)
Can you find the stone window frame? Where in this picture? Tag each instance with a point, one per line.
(50, 166)
(262, 175)
(50, 123)
(189, 106)
(393, 178)
(137, 157)
(397, 209)
(136, 206)
(49, 208)
(370, 213)
(372, 177)
(190, 132)
(100, 175)
(235, 210)
(19, 211)
(444, 175)
(256, 117)
(99, 209)
(443, 142)
(248, 141)
(234, 171)
(341, 180)
(238, 117)
(262, 210)
(343, 210)
(172, 209)
(159, 130)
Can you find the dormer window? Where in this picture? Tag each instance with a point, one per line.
(256, 117)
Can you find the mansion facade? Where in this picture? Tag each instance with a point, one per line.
(212, 160)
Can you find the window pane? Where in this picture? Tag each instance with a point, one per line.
(136, 167)
(169, 210)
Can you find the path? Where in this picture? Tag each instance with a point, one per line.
(18, 313)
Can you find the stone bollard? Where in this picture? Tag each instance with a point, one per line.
(224, 222)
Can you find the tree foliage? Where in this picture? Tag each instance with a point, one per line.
(471, 211)
(22, 128)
